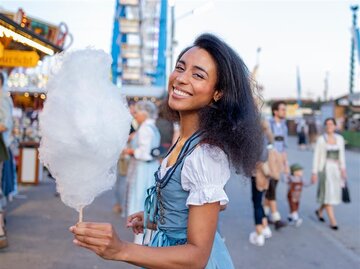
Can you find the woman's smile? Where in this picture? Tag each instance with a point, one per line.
(179, 93)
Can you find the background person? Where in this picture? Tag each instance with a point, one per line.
(313, 132)
(6, 179)
(142, 165)
(280, 132)
(302, 131)
(259, 184)
(295, 182)
(329, 170)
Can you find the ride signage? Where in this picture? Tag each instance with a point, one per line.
(17, 58)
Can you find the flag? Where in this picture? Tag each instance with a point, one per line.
(298, 84)
(357, 42)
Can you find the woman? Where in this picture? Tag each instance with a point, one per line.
(260, 183)
(329, 168)
(210, 94)
(302, 131)
(142, 164)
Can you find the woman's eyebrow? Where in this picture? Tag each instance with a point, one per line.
(202, 69)
(195, 66)
(182, 62)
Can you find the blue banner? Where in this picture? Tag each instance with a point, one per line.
(357, 42)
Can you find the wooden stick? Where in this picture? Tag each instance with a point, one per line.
(81, 215)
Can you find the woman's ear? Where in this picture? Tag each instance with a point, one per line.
(217, 96)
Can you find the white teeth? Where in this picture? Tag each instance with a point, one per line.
(178, 92)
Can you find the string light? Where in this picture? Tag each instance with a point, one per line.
(24, 40)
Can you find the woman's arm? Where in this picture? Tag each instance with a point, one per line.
(342, 157)
(103, 240)
(316, 157)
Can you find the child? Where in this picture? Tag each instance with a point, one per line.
(296, 183)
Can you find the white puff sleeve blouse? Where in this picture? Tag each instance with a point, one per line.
(205, 173)
(145, 135)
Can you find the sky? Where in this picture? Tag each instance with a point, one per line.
(313, 35)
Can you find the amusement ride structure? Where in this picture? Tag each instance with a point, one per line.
(139, 47)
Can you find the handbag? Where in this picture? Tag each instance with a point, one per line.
(159, 152)
(4, 154)
(274, 164)
(345, 194)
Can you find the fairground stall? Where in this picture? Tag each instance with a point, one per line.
(27, 45)
(346, 111)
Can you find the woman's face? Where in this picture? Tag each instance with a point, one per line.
(330, 126)
(192, 83)
(140, 116)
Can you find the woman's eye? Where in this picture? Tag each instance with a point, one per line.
(198, 76)
(179, 68)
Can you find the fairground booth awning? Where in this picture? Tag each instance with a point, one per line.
(21, 46)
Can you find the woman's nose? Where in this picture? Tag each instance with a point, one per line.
(183, 77)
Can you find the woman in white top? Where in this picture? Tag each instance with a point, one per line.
(142, 164)
(329, 170)
(209, 93)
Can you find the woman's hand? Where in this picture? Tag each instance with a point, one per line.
(314, 178)
(100, 238)
(128, 151)
(136, 222)
(2, 128)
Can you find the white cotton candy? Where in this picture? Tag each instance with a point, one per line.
(84, 125)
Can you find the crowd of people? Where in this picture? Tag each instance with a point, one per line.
(150, 130)
(329, 153)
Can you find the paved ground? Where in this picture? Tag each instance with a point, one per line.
(39, 239)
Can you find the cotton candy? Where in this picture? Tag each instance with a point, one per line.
(84, 126)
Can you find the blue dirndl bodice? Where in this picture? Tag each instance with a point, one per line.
(165, 205)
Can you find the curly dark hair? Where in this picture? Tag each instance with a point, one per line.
(233, 122)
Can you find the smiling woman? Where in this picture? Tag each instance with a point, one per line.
(192, 84)
(211, 97)
(218, 82)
